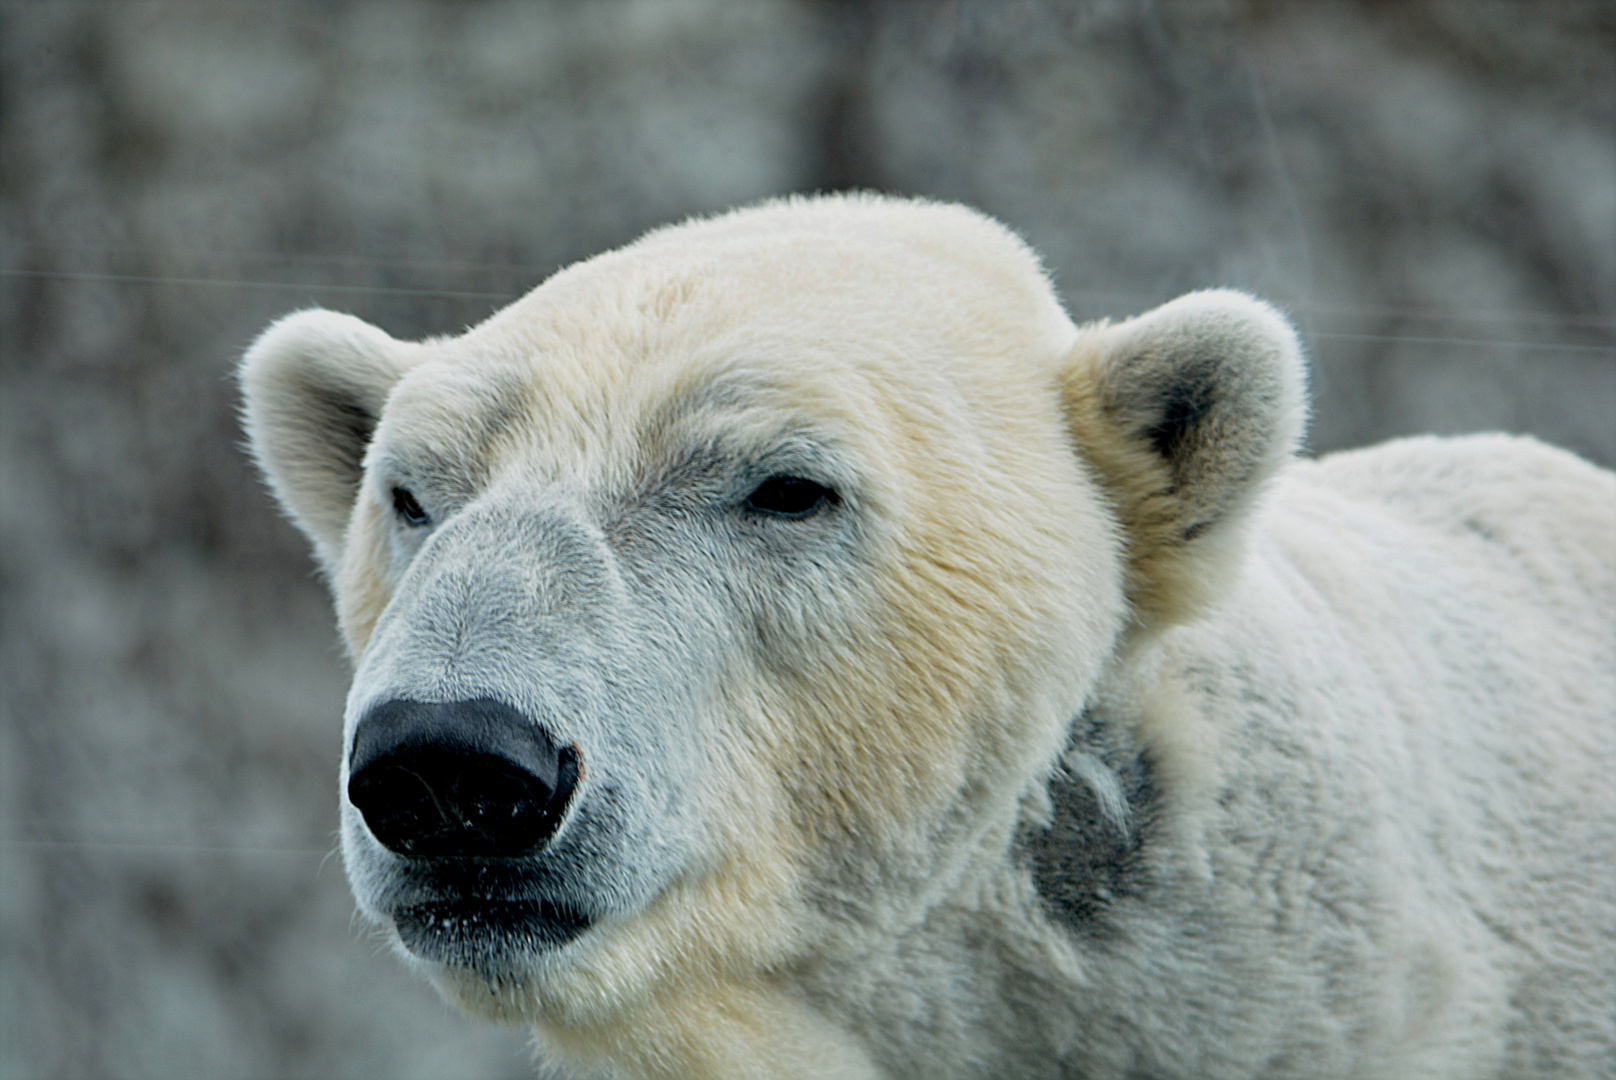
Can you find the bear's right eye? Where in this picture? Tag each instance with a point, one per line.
(791, 497)
(405, 506)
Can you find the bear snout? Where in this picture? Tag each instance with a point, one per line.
(459, 779)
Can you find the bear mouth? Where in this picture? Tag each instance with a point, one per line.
(483, 934)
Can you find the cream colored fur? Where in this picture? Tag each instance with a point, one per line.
(1348, 722)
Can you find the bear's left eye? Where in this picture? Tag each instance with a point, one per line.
(791, 497)
(405, 506)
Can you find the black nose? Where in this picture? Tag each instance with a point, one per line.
(458, 779)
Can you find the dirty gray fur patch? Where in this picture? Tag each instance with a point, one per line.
(1088, 854)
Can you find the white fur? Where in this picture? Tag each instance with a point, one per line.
(1088, 735)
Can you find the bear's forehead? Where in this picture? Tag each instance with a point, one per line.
(781, 316)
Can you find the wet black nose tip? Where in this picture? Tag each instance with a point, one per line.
(458, 779)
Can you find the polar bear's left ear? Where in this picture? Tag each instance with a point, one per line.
(1184, 412)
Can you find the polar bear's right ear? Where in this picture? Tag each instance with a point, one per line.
(1184, 412)
(313, 387)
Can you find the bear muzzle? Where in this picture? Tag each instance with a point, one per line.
(466, 793)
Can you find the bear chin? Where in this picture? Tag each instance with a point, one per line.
(488, 937)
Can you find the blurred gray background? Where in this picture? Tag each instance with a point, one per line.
(1428, 188)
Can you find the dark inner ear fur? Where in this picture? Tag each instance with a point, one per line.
(1184, 412)
(1188, 402)
(351, 428)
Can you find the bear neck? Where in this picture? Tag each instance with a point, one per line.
(1055, 880)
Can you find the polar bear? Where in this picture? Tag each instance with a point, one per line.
(788, 646)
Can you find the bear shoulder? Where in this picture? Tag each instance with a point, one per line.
(1547, 510)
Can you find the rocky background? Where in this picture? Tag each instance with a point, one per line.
(1428, 188)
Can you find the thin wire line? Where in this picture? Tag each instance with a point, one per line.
(73, 845)
(1479, 314)
(1486, 343)
(294, 258)
(1272, 142)
(1331, 308)
(297, 286)
(1460, 314)
(1323, 307)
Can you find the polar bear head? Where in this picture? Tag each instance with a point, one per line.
(719, 601)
